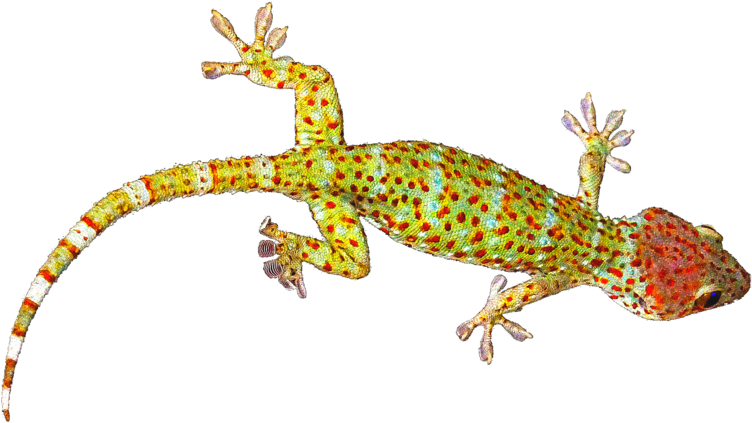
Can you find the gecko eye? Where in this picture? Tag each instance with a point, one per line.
(708, 299)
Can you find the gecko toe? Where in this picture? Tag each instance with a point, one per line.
(273, 269)
(267, 248)
(486, 346)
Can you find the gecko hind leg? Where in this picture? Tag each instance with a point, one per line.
(288, 267)
(490, 316)
(599, 146)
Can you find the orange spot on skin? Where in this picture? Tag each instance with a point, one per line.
(267, 73)
(324, 102)
(330, 204)
(280, 84)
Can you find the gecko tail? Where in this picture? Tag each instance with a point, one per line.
(246, 174)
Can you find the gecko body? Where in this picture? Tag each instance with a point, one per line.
(433, 198)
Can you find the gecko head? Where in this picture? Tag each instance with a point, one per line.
(683, 268)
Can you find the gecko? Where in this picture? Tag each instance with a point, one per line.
(432, 198)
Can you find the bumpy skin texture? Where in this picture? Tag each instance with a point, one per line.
(433, 198)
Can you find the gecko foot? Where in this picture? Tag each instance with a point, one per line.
(287, 268)
(600, 142)
(488, 317)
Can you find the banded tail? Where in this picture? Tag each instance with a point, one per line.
(214, 177)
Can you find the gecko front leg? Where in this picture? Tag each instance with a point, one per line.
(502, 301)
(599, 146)
(343, 251)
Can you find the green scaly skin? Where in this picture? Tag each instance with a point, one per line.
(435, 199)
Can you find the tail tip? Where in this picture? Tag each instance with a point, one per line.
(6, 413)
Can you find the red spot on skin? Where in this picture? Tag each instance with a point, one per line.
(411, 185)
(475, 221)
(649, 289)
(512, 215)
(478, 237)
(414, 163)
(461, 217)
(302, 76)
(340, 175)
(613, 297)
(354, 243)
(316, 88)
(305, 255)
(426, 226)
(473, 199)
(245, 49)
(332, 125)
(531, 251)
(267, 73)
(596, 262)
(385, 230)
(484, 208)
(443, 212)
(509, 244)
(324, 102)
(246, 73)
(630, 281)
(330, 204)
(636, 262)
(308, 164)
(403, 226)
(276, 180)
(398, 180)
(616, 288)
(93, 225)
(327, 267)
(47, 275)
(614, 271)
(330, 228)
(280, 84)
(547, 249)
(480, 253)
(450, 244)
(308, 120)
(455, 196)
(517, 195)
(424, 188)
(447, 226)
(504, 230)
(232, 180)
(459, 254)
(520, 249)
(29, 305)
(604, 281)
(315, 245)
(634, 236)
(648, 216)
(434, 238)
